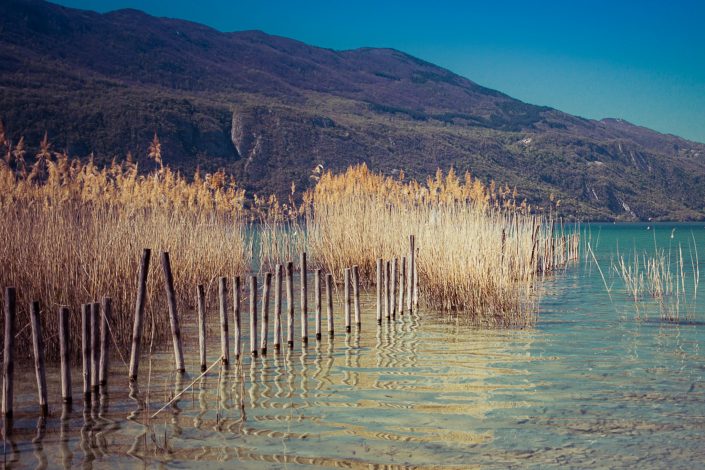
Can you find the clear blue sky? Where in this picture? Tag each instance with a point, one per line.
(643, 61)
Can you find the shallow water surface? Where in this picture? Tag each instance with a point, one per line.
(589, 386)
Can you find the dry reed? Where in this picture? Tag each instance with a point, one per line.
(663, 279)
(72, 233)
(479, 252)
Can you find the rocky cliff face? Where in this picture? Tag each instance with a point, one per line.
(269, 109)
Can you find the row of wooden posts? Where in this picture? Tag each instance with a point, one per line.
(95, 336)
(396, 282)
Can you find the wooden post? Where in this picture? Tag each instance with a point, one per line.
(8, 358)
(86, 350)
(387, 309)
(223, 309)
(416, 285)
(265, 313)
(346, 290)
(173, 314)
(139, 315)
(393, 288)
(237, 317)
(253, 315)
(402, 278)
(38, 347)
(329, 301)
(95, 347)
(290, 303)
(379, 291)
(201, 302)
(410, 276)
(317, 293)
(304, 299)
(107, 319)
(356, 294)
(65, 353)
(278, 307)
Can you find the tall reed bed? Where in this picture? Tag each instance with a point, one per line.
(72, 233)
(479, 252)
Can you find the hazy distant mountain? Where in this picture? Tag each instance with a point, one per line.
(269, 109)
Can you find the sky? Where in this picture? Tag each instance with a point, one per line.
(643, 61)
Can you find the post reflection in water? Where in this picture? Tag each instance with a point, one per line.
(86, 443)
(176, 409)
(303, 358)
(253, 390)
(202, 394)
(138, 449)
(318, 366)
(10, 450)
(65, 453)
(39, 453)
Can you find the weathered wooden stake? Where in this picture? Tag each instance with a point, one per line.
(95, 347)
(304, 299)
(38, 347)
(201, 302)
(65, 353)
(317, 293)
(356, 294)
(237, 317)
(139, 315)
(173, 314)
(107, 319)
(402, 278)
(346, 290)
(265, 313)
(8, 363)
(290, 303)
(410, 276)
(393, 288)
(416, 285)
(223, 309)
(86, 350)
(387, 306)
(379, 290)
(253, 315)
(329, 306)
(278, 307)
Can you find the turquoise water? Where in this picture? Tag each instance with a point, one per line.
(596, 383)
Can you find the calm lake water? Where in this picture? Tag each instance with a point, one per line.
(592, 384)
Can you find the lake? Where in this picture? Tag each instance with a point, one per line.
(595, 383)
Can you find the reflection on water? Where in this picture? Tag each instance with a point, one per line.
(588, 387)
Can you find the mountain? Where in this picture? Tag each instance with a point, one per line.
(269, 109)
